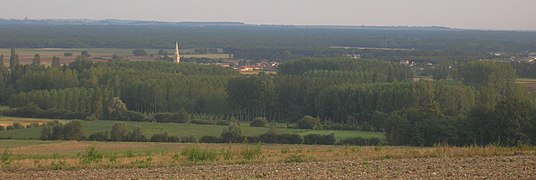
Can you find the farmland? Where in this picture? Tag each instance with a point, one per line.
(27, 54)
(172, 160)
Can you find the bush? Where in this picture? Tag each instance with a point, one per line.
(134, 116)
(162, 137)
(201, 122)
(33, 111)
(287, 138)
(33, 125)
(91, 155)
(99, 136)
(195, 154)
(137, 135)
(209, 139)
(253, 139)
(232, 133)
(319, 139)
(294, 158)
(119, 132)
(54, 130)
(18, 126)
(139, 52)
(259, 122)
(73, 130)
(308, 122)
(183, 117)
(188, 139)
(2, 128)
(359, 141)
(163, 117)
(92, 117)
(67, 54)
(251, 153)
(176, 139)
(222, 123)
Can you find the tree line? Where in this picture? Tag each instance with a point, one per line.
(341, 93)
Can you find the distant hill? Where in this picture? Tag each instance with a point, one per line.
(197, 24)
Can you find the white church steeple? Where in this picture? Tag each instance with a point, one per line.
(177, 55)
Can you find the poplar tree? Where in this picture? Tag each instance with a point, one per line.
(55, 62)
(36, 60)
(13, 59)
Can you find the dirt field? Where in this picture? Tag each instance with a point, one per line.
(498, 167)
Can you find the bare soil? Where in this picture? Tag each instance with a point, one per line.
(495, 167)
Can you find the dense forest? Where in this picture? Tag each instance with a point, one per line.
(275, 42)
(473, 102)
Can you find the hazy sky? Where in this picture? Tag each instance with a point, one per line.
(474, 14)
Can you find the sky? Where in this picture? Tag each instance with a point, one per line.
(468, 14)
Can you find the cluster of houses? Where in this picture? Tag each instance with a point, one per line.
(261, 66)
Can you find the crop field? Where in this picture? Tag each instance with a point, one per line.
(27, 159)
(173, 129)
(529, 83)
(27, 54)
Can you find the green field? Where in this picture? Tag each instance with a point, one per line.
(176, 129)
(26, 54)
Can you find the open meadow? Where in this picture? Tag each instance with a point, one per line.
(89, 160)
(173, 129)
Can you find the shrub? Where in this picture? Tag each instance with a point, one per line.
(91, 155)
(92, 117)
(176, 139)
(259, 122)
(209, 139)
(181, 117)
(119, 132)
(2, 128)
(232, 133)
(33, 125)
(287, 138)
(99, 136)
(137, 135)
(253, 139)
(308, 122)
(18, 126)
(139, 52)
(319, 139)
(134, 116)
(162, 137)
(195, 154)
(188, 139)
(67, 54)
(73, 130)
(251, 153)
(201, 122)
(359, 141)
(9, 128)
(163, 117)
(294, 158)
(54, 130)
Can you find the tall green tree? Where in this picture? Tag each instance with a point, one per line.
(55, 62)
(36, 60)
(13, 59)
